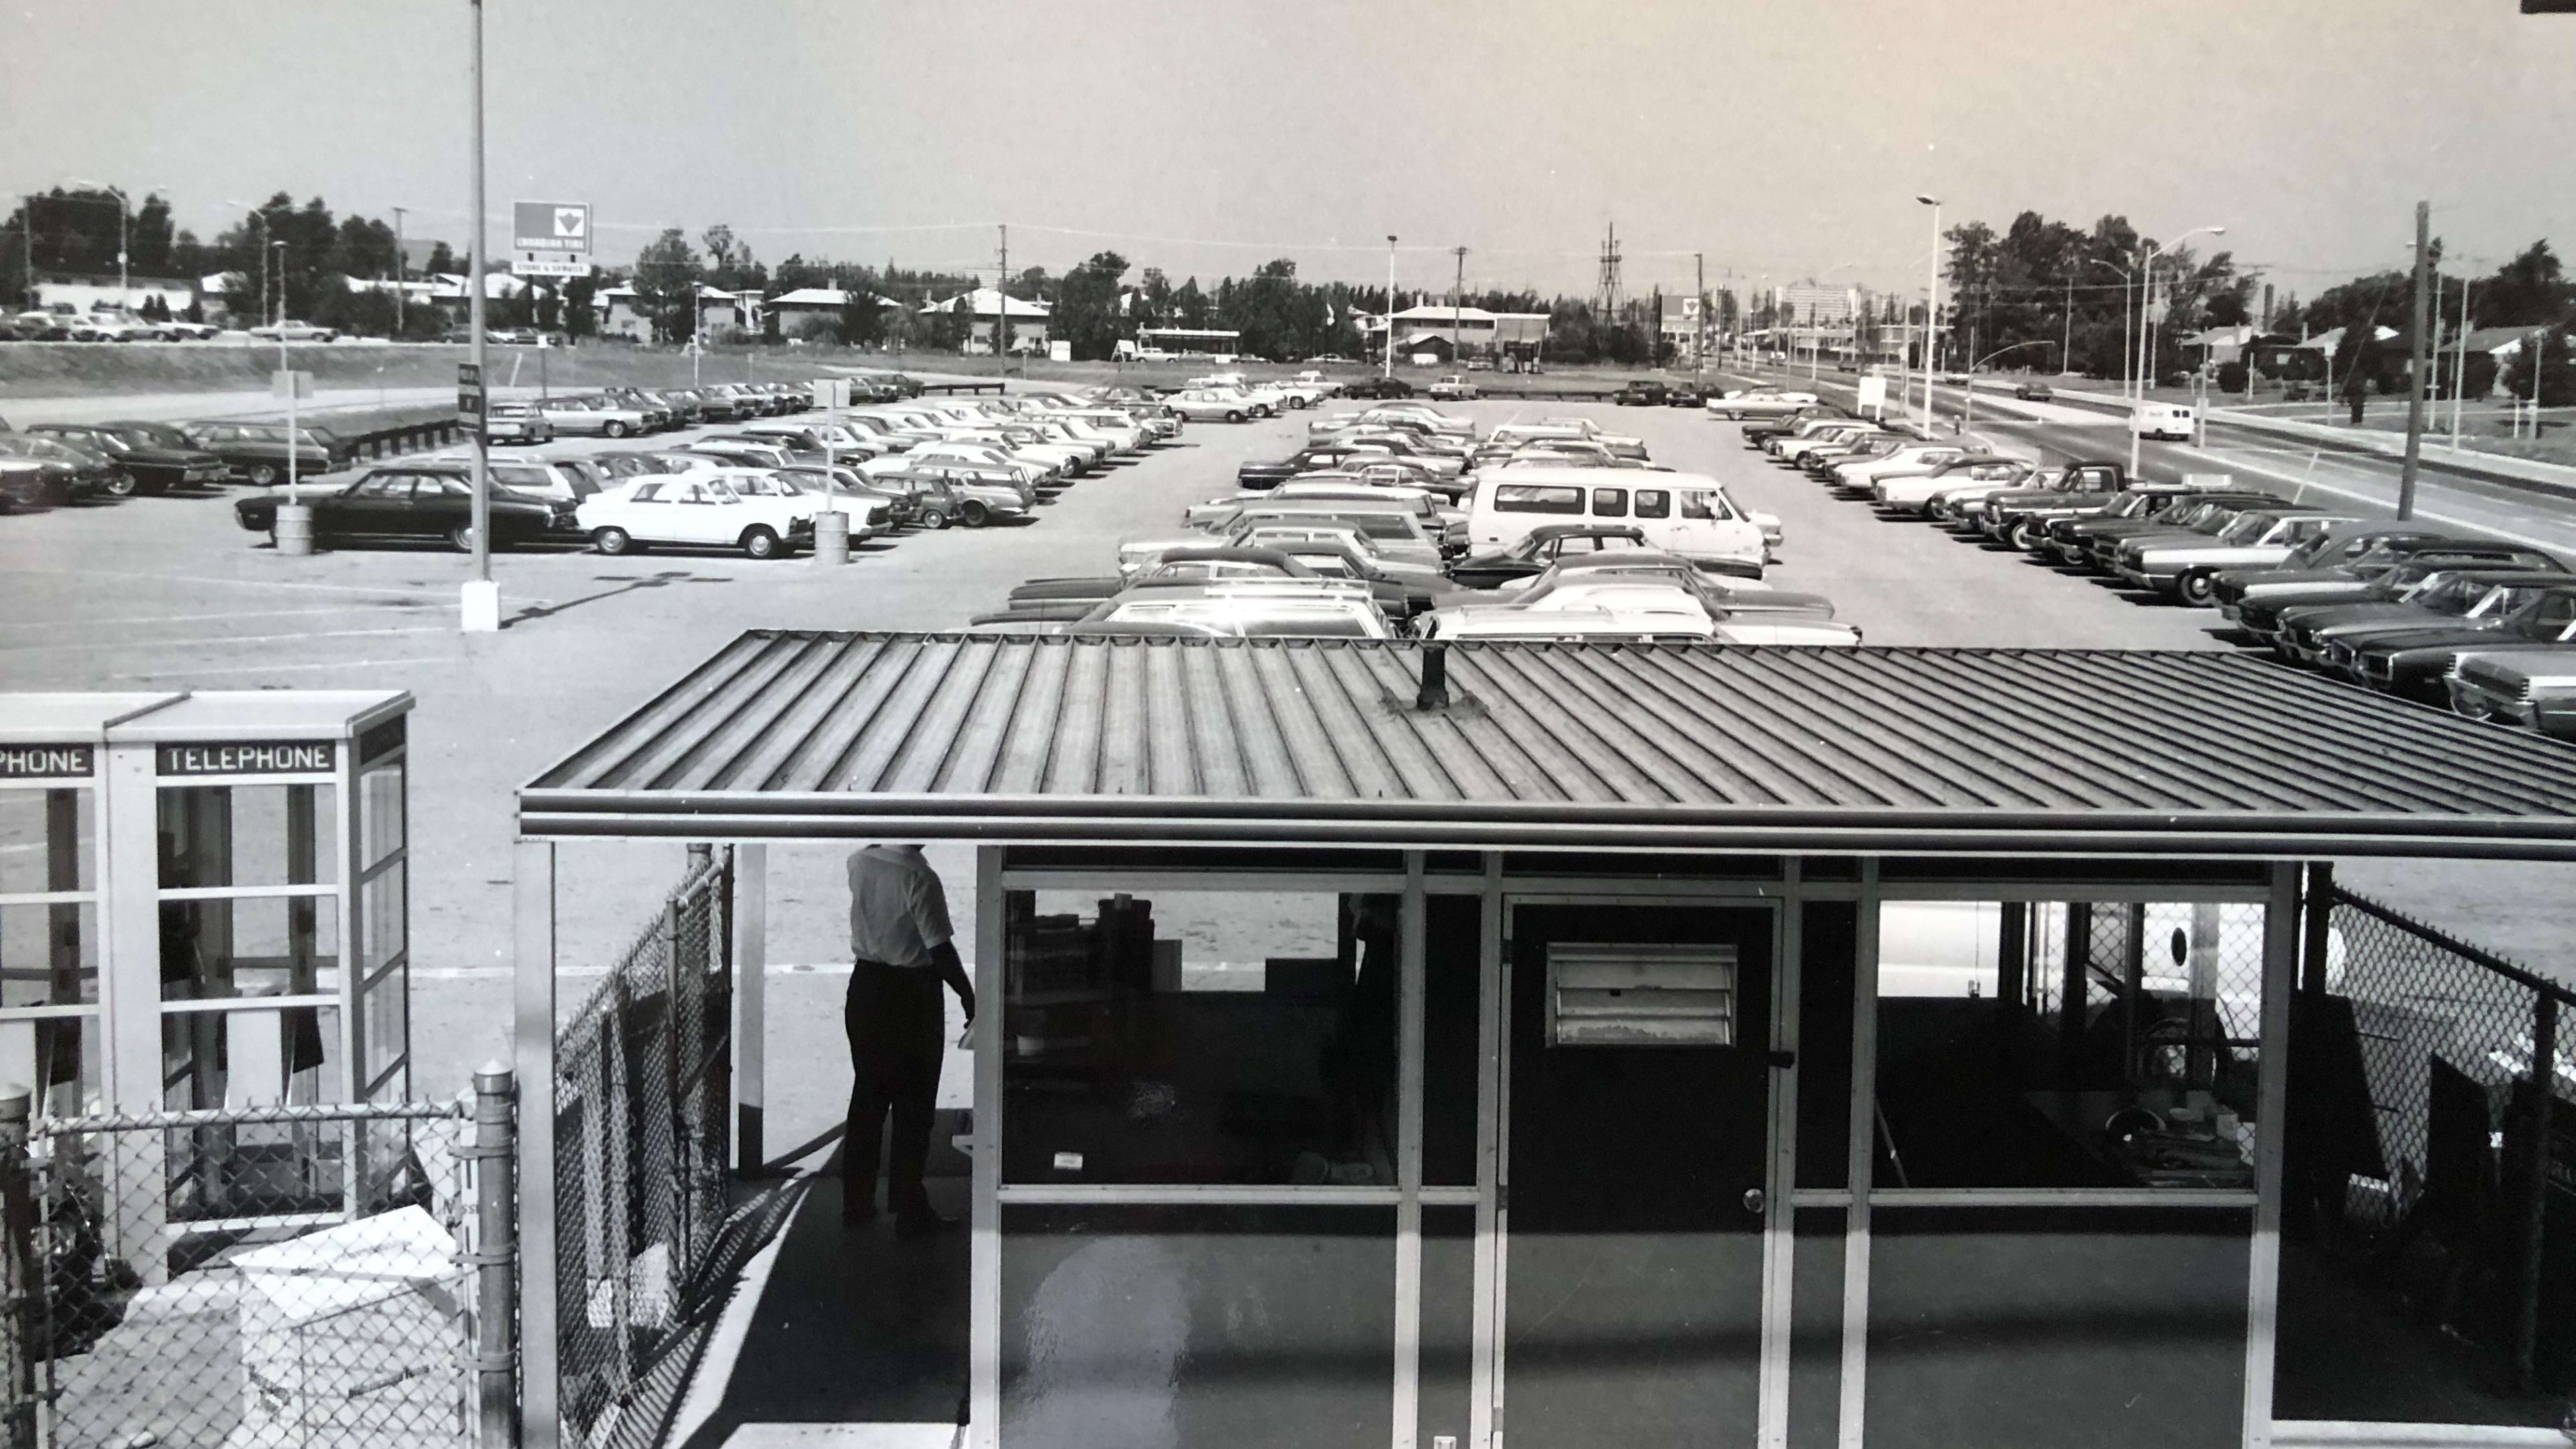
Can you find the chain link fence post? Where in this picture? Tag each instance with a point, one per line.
(496, 1253)
(2535, 1204)
(20, 1280)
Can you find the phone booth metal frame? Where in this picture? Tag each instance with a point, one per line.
(225, 927)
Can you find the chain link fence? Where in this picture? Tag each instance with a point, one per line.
(2446, 1161)
(253, 1277)
(643, 1097)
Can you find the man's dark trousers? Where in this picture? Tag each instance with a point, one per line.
(897, 1028)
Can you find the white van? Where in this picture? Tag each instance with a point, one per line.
(2162, 420)
(1684, 513)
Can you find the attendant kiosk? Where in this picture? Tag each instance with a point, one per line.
(203, 905)
(1593, 1045)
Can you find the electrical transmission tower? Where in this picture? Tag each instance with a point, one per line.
(1607, 308)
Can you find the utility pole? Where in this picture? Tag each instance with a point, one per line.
(2066, 345)
(1457, 310)
(2460, 373)
(2419, 359)
(402, 269)
(1002, 304)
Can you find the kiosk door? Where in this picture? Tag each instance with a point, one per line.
(1636, 1136)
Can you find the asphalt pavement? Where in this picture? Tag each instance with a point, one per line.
(167, 593)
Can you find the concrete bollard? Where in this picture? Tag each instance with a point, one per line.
(831, 537)
(295, 529)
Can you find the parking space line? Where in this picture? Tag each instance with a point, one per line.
(187, 618)
(247, 583)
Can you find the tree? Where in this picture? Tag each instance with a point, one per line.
(581, 306)
(442, 260)
(863, 318)
(2557, 366)
(1086, 306)
(2531, 290)
(666, 280)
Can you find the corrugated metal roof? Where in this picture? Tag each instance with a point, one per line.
(789, 734)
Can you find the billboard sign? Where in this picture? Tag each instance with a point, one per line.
(550, 238)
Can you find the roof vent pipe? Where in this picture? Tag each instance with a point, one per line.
(1435, 678)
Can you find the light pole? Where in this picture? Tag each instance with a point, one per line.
(124, 208)
(402, 270)
(2066, 360)
(1389, 331)
(1931, 303)
(2146, 346)
(1968, 409)
(479, 607)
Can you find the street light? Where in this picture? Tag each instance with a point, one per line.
(124, 207)
(2146, 345)
(2066, 358)
(259, 219)
(1931, 303)
(1968, 409)
(1389, 338)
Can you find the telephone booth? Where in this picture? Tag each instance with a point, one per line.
(203, 910)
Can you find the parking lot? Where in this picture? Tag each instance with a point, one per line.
(168, 592)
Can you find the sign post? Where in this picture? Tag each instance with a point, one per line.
(1873, 396)
(469, 396)
(550, 239)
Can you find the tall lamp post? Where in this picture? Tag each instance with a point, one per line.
(480, 603)
(1388, 338)
(1968, 409)
(1931, 303)
(2146, 345)
(124, 211)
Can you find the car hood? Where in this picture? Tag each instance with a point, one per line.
(2447, 634)
(2338, 617)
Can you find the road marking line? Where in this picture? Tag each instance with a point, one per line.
(189, 618)
(247, 583)
(234, 639)
(190, 672)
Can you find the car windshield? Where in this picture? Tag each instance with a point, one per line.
(2247, 528)
(105, 442)
(153, 435)
(2451, 594)
(25, 446)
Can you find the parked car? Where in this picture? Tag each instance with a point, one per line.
(594, 417)
(2094, 543)
(1540, 548)
(1758, 430)
(1641, 392)
(1913, 493)
(2364, 554)
(1379, 387)
(1456, 386)
(416, 501)
(150, 457)
(2535, 689)
(2255, 601)
(946, 493)
(694, 511)
(41, 327)
(31, 481)
(512, 422)
(77, 472)
(2415, 597)
(257, 452)
(2185, 570)
(2416, 664)
(1204, 405)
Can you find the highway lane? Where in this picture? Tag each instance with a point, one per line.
(2301, 470)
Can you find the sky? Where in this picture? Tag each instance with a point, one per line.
(1778, 139)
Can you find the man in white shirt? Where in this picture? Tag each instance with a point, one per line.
(901, 946)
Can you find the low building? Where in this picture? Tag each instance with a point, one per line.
(1028, 320)
(808, 303)
(1471, 330)
(86, 292)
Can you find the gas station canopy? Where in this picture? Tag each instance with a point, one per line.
(786, 734)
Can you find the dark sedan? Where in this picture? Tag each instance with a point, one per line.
(154, 457)
(1540, 549)
(69, 472)
(1643, 392)
(1379, 387)
(2413, 664)
(417, 501)
(1313, 458)
(258, 452)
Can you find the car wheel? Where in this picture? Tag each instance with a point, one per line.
(759, 542)
(2024, 534)
(264, 474)
(2196, 589)
(1234, 415)
(934, 518)
(612, 540)
(120, 484)
(461, 537)
(615, 428)
(973, 514)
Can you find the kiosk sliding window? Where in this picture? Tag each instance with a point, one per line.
(1200, 1038)
(2067, 1045)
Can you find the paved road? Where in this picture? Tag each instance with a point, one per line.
(166, 592)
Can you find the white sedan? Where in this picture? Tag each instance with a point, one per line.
(1207, 405)
(1759, 402)
(695, 511)
(593, 417)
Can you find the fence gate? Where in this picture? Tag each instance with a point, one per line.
(643, 1105)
